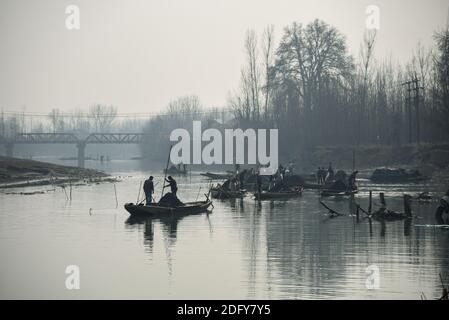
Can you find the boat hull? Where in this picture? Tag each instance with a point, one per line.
(224, 194)
(157, 210)
(216, 176)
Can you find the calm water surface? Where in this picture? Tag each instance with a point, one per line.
(242, 250)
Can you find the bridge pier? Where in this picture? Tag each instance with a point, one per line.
(9, 147)
(81, 153)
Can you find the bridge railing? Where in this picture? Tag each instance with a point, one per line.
(35, 138)
(70, 138)
(115, 138)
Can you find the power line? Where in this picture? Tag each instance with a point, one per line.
(118, 115)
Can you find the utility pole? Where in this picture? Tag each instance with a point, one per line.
(417, 99)
(409, 109)
(413, 85)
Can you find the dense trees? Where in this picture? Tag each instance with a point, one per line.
(316, 93)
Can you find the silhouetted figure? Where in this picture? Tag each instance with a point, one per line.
(173, 185)
(330, 172)
(281, 171)
(351, 180)
(271, 183)
(148, 188)
(259, 183)
(242, 178)
(442, 212)
(233, 184)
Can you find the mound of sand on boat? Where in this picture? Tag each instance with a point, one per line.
(16, 172)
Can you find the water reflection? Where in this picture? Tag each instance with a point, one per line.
(293, 249)
(247, 249)
(169, 223)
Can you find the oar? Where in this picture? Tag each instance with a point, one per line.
(166, 168)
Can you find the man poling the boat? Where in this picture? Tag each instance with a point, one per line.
(172, 184)
(148, 188)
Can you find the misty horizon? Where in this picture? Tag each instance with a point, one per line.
(142, 55)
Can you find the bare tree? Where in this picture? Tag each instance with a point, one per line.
(441, 60)
(267, 48)
(314, 58)
(253, 71)
(103, 116)
(56, 120)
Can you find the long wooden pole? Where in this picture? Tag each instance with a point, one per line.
(138, 194)
(165, 174)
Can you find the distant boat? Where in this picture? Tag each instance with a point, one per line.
(174, 170)
(278, 195)
(216, 176)
(157, 209)
(221, 193)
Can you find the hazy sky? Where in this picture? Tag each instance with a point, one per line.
(140, 54)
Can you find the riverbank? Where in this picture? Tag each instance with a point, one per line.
(427, 157)
(17, 173)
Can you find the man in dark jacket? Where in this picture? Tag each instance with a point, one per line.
(148, 188)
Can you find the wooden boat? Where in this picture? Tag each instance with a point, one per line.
(156, 209)
(220, 193)
(216, 176)
(278, 195)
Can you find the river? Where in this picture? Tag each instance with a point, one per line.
(242, 250)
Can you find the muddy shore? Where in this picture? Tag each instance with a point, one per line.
(17, 173)
(426, 157)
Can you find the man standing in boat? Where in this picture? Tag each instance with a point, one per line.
(148, 188)
(172, 184)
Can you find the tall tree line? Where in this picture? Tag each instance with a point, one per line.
(316, 93)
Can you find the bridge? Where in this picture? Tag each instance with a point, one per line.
(70, 138)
